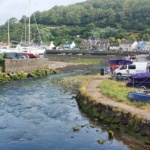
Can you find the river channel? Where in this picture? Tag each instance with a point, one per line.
(36, 114)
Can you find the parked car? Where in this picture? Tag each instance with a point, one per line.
(132, 56)
(135, 67)
(10, 55)
(15, 55)
(21, 56)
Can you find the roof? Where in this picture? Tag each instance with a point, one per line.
(114, 44)
(127, 42)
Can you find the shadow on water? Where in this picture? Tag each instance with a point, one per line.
(37, 114)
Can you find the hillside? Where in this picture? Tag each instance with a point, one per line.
(115, 20)
(126, 14)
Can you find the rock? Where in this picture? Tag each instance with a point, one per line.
(110, 134)
(75, 129)
(101, 141)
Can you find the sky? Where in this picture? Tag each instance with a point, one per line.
(18, 8)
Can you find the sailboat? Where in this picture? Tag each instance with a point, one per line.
(28, 50)
(31, 51)
(5, 48)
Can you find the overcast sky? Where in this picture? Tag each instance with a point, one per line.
(18, 8)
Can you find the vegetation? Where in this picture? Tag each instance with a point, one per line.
(72, 83)
(1, 63)
(114, 13)
(119, 92)
(115, 118)
(96, 19)
(79, 60)
(7, 77)
(85, 61)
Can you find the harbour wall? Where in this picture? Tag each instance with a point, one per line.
(25, 65)
(118, 119)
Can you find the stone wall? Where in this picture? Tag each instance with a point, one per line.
(25, 65)
(118, 119)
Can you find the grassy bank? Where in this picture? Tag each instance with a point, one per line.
(72, 83)
(119, 92)
(83, 59)
(118, 119)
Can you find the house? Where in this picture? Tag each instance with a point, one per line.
(49, 46)
(114, 47)
(69, 45)
(103, 45)
(88, 44)
(143, 46)
(128, 45)
(95, 44)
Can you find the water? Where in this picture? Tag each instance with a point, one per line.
(36, 114)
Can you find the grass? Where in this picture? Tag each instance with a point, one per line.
(113, 89)
(85, 61)
(1, 63)
(72, 83)
(119, 92)
(75, 59)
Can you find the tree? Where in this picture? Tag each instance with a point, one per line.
(112, 39)
(12, 21)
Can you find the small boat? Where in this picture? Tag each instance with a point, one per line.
(142, 97)
(31, 54)
(141, 81)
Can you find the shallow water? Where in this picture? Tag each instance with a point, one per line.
(37, 114)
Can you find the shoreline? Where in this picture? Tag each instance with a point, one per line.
(90, 92)
(127, 119)
(63, 66)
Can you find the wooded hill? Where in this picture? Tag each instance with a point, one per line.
(96, 19)
(126, 14)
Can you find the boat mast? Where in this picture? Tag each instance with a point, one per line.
(25, 28)
(29, 23)
(8, 34)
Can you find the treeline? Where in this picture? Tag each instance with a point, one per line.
(125, 14)
(115, 20)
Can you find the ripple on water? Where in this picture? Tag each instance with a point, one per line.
(36, 114)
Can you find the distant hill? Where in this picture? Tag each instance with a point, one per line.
(115, 20)
(126, 14)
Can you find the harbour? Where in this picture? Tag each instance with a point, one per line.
(39, 114)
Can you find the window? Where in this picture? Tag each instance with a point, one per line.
(132, 67)
(123, 67)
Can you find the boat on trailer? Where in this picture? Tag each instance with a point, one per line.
(141, 82)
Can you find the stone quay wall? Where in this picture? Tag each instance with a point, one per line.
(25, 65)
(118, 119)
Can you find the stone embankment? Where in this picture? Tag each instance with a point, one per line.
(25, 65)
(26, 68)
(120, 116)
(28, 65)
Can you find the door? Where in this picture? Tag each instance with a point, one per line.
(132, 69)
